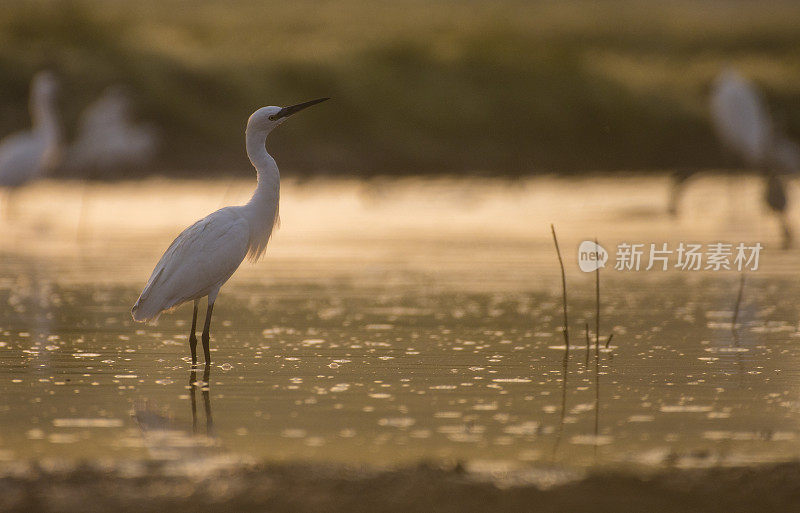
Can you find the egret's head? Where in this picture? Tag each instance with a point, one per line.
(267, 118)
(44, 85)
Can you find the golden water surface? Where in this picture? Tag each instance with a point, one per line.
(397, 321)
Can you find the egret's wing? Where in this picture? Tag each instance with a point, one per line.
(198, 261)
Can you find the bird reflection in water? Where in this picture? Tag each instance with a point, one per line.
(205, 390)
(166, 439)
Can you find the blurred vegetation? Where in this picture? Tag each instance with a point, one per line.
(507, 87)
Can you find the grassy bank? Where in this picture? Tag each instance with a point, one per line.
(505, 87)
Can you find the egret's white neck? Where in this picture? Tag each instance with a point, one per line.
(261, 211)
(269, 178)
(43, 114)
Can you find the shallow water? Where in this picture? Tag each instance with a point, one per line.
(400, 321)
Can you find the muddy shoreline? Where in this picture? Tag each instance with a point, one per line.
(424, 487)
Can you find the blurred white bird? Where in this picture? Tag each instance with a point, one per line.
(30, 154)
(742, 124)
(205, 255)
(745, 128)
(108, 138)
(740, 118)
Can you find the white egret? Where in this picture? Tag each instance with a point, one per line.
(744, 126)
(108, 138)
(740, 118)
(205, 255)
(27, 155)
(741, 121)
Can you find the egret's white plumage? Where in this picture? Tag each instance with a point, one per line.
(108, 138)
(196, 264)
(27, 155)
(745, 127)
(741, 118)
(205, 255)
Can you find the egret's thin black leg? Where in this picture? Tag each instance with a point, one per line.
(207, 333)
(192, 336)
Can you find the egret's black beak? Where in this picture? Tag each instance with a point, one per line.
(294, 109)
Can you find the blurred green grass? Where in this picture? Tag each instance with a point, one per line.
(508, 87)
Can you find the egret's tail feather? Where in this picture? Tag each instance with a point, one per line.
(148, 307)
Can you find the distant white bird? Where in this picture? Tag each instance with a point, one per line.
(28, 155)
(108, 138)
(745, 128)
(205, 255)
(742, 123)
(741, 118)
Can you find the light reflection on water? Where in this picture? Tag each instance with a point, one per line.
(416, 348)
